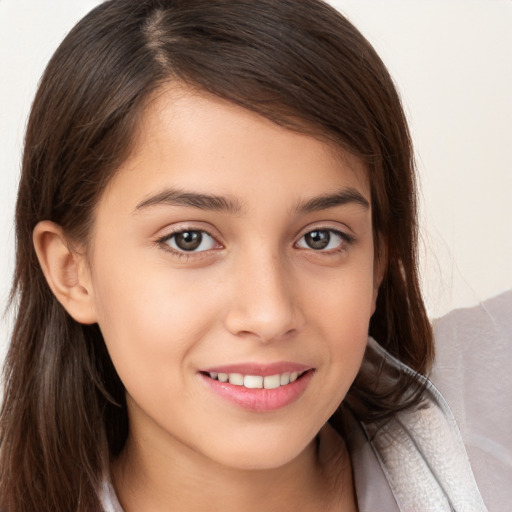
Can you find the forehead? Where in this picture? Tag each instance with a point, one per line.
(192, 138)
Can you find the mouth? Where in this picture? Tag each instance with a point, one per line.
(256, 381)
(258, 393)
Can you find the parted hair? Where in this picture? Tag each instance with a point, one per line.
(299, 63)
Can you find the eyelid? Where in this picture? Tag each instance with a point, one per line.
(326, 225)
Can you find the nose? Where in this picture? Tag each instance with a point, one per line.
(264, 304)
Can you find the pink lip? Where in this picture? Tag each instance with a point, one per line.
(259, 400)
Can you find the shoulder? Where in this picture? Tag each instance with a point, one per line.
(472, 371)
(418, 451)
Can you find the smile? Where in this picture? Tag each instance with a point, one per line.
(257, 381)
(257, 388)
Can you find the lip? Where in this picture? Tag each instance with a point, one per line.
(259, 400)
(259, 369)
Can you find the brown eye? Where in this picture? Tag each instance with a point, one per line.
(190, 241)
(317, 239)
(324, 240)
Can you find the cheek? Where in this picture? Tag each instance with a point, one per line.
(151, 329)
(339, 311)
(149, 317)
(343, 301)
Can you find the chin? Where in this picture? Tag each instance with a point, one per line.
(264, 454)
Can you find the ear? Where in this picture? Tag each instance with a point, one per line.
(65, 270)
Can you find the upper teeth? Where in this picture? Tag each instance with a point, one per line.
(256, 381)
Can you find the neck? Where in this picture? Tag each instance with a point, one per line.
(147, 478)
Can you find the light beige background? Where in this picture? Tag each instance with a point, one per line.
(452, 62)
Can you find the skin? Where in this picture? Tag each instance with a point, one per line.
(254, 291)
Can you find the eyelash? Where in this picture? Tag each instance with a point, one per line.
(163, 241)
(346, 240)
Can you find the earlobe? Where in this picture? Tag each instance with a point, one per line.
(65, 270)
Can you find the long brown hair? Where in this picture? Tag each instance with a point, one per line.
(297, 62)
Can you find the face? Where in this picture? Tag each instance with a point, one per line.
(232, 274)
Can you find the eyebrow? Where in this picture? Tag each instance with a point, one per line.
(342, 197)
(176, 197)
(201, 201)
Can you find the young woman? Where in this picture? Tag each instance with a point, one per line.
(215, 222)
